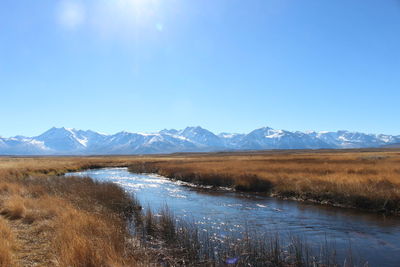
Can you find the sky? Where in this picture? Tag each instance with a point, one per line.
(226, 65)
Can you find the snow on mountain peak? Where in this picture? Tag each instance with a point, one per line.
(72, 141)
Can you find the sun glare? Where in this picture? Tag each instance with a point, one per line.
(141, 10)
(125, 18)
(113, 18)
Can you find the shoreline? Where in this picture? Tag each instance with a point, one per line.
(277, 195)
(376, 195)
(33, 196)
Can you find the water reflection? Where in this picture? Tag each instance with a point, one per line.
(372, 236)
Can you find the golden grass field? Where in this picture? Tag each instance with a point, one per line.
(57, 221)
(366, 179)
(48, 220)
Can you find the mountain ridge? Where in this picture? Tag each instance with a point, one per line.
(70, 141)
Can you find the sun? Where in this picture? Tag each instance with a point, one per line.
(110, 18)
(141, 9)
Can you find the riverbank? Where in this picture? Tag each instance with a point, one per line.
(222, 214)
(366, 180)
(48, 220)
(51, 220)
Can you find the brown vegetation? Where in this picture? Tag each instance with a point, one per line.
(360, 179)
(7, 244)
(185, 244)
(57, 221)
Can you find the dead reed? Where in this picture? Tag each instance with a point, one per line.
(7, 244)
(63, 221)
(365, 180)
(183, 243)
(57, 221)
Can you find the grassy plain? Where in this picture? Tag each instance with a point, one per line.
(50, 220)
(365, 179)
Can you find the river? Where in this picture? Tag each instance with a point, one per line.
(374, 238)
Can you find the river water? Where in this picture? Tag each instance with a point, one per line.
(371, 237)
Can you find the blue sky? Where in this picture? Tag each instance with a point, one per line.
(227, 65)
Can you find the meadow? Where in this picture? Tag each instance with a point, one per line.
(51, 220)
(48, 220)
(362, 179)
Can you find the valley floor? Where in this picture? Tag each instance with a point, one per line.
(47, 220)
(362, 179)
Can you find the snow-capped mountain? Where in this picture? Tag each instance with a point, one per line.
(201, 137)
(280, 139)
(66, 141)
(63, 140)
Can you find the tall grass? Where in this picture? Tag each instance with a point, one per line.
(64, 221)
(7, 244)
(77, 222)
(183, 243)
(365, 180)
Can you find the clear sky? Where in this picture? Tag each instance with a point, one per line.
(227, 65)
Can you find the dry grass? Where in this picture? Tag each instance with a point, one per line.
(62, 221)
(7, 244)
(182, 243)
(56, 221)
(14, 208)
(76, 235)
(368, 180)
(84, 239)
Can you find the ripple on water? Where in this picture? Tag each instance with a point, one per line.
(226, 212)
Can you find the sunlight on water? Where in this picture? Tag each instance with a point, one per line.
(372, 237)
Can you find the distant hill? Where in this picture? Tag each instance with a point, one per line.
(397, 145)
(66, 141)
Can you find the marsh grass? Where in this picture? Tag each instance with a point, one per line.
(183, 243)
(14, 208)
(86, 227)
(7, 244)
(364, 180)
(64, 221)
(70, 221)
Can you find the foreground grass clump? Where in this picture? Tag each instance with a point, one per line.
(183, 243)
(47, 220)
(63, 221)
(7, 244)
(359, 179)
(77, 221)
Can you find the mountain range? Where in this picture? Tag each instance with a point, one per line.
(67, 141)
